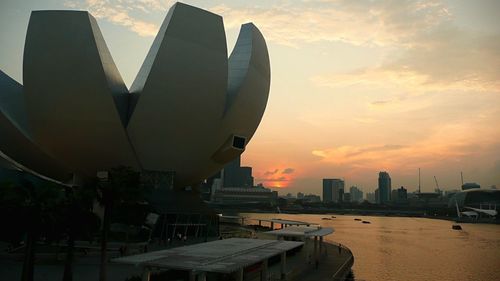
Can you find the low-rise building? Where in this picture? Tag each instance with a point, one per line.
(311, 198)
(239, 195)
(356, 194)
(370, 197)
(399, 195)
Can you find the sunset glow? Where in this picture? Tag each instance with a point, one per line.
(357, 87)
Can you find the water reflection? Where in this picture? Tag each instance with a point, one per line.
(392, 248)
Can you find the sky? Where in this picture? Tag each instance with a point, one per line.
(357, 87)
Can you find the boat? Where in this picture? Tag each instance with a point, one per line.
(334, 217)
(326, 219)
(456, 227)
(356, 219)
(366, 222)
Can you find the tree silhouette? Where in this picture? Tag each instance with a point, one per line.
(121, 186)
(78, 222)
(33, 205)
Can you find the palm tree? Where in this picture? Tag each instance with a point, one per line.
(122, 186)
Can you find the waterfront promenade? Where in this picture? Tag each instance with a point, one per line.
(333, 265)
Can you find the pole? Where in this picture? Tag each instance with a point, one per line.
(264, 273)
(315, 253)
(146, 274)
(283, 266)
(239, 276)
(418, 180)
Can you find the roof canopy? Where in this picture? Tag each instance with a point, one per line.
(288, 222)
(302, 231)
(222, 256)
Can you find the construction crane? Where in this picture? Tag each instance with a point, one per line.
(437, 185)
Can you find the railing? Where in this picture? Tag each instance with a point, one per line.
(348, 263)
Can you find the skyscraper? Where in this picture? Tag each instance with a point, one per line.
(237, 176)
(333, 190)
(384, 187)
(356, 194)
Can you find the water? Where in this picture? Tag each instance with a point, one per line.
(392, 248)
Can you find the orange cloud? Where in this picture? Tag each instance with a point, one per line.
(276, 177)
(449, 143)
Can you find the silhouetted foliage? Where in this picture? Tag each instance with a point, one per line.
(78, 222)
(31, 210)
(122, 187)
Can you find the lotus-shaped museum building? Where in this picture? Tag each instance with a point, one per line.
(189, 111)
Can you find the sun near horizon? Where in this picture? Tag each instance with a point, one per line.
(357, 87)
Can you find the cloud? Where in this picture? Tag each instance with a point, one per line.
(448, 143)
(270, 173)
(288, 171)
(277, 179)
(443, 59)
(119, 13)
(354, 22)
(344, 154)
(380, 102)
(293, 23)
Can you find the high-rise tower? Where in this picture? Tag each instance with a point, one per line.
(384, 187)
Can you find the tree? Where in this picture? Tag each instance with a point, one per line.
(78, 222)
(121, 186)
(34, 203)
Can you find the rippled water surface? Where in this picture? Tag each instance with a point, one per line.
(392, 248)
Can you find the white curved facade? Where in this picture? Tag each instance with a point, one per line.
(190, 109)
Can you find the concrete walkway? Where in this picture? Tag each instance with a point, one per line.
(333, 264)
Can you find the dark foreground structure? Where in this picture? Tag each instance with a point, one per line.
(190, 110)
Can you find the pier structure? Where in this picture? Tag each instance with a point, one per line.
(306, 234)
(235, 256)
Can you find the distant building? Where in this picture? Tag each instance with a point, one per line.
(236, 176)
(356, 194)
(399, 195)
(394, 195)
(377, 196)
(477, 198)
(311, 198)
(333, 190)
(238, 195)
(347, 197)
(412, 195)
(438, 191)
(384, 187)
(216, 185)
(370, 197)
(300, 195)
(470, 185)
(449, 193)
